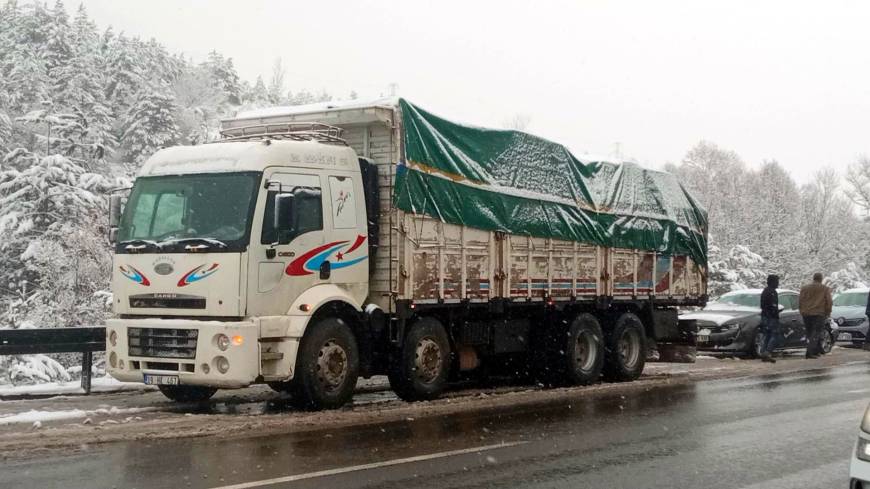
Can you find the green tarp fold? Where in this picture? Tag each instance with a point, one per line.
(510, 181)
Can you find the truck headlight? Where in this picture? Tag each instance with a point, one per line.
(223, 342)
(113, 338)
(113, 360)
(863, 450)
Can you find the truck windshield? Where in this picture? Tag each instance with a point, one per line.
(174, 213)
(851, 299)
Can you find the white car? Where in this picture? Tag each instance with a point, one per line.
(859, 471)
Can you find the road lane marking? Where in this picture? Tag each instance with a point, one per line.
(375, 465)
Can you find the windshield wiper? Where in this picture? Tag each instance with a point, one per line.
(136, 245)
(195, 244)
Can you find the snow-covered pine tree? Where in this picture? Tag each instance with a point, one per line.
(150, 123)
(224, 76)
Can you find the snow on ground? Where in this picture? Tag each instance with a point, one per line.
(99, 384)
(35, 416)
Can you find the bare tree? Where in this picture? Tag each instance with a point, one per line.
(517, 122)
(858, 180)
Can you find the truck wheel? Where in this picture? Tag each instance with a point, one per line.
(827, 341)
(327, 366)
(583, 356)
(626, 352)
(187, 393)
(419, 371)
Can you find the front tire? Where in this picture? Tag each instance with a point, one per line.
(327, 366)
(754, 350)
(419, 371)
(626, 349)
(827, 340)
(187, 393)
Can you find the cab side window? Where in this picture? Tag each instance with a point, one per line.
(306, 215)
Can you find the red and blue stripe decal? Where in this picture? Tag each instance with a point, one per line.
(135, 275)
(310, 261)
(197, 274)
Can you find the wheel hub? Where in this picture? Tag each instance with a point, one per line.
(331, 364)
(427, 360)
(584, 351)
(629, 348)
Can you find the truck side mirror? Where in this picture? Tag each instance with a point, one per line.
(284, 218)
(114, 210)
(114, 217)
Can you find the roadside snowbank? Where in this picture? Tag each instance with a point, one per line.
(34, 416)
(99, 384)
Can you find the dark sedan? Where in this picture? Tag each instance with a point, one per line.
(731, 323)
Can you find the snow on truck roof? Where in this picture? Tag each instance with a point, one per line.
(222, 157)
(391, 102)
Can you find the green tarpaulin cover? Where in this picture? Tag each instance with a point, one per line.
(510, 181)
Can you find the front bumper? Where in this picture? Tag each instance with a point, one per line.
(201, 369)
(730, 340)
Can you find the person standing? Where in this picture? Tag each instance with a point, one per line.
(815, 306)
(769, 318)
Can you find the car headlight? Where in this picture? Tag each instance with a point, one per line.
(727, 328)
(865, 422)
(862, 451)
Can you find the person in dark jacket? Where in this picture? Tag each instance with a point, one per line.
(769, 318)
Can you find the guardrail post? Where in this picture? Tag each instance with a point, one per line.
(87, 362)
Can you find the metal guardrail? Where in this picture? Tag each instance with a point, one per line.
(86, 340)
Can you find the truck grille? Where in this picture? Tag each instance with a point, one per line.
(853, 322)
(162, 343)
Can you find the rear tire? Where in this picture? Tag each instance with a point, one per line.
(187, 393)
(327, 366)
(419, 371)
(625, 354)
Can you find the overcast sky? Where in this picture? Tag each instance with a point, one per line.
(783, 80)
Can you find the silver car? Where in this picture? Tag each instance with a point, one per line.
(849, 313)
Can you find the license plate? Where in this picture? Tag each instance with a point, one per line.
(161, 379)
(702, 338)
(844, 337)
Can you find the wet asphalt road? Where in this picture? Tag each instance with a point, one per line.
(791, 430)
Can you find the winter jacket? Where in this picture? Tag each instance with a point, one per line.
(815, 300)
(769, 303)
(867, 312)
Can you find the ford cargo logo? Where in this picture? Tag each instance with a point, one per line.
(163, 268)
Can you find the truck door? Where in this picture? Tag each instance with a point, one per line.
(281, 257)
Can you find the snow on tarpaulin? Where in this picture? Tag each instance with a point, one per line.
(501, 180)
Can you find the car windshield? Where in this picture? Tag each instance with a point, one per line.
(741, 299)
(851, 299)
(215, 208)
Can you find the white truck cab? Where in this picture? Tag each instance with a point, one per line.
(224, 252)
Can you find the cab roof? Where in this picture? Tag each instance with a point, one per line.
(240, 156)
